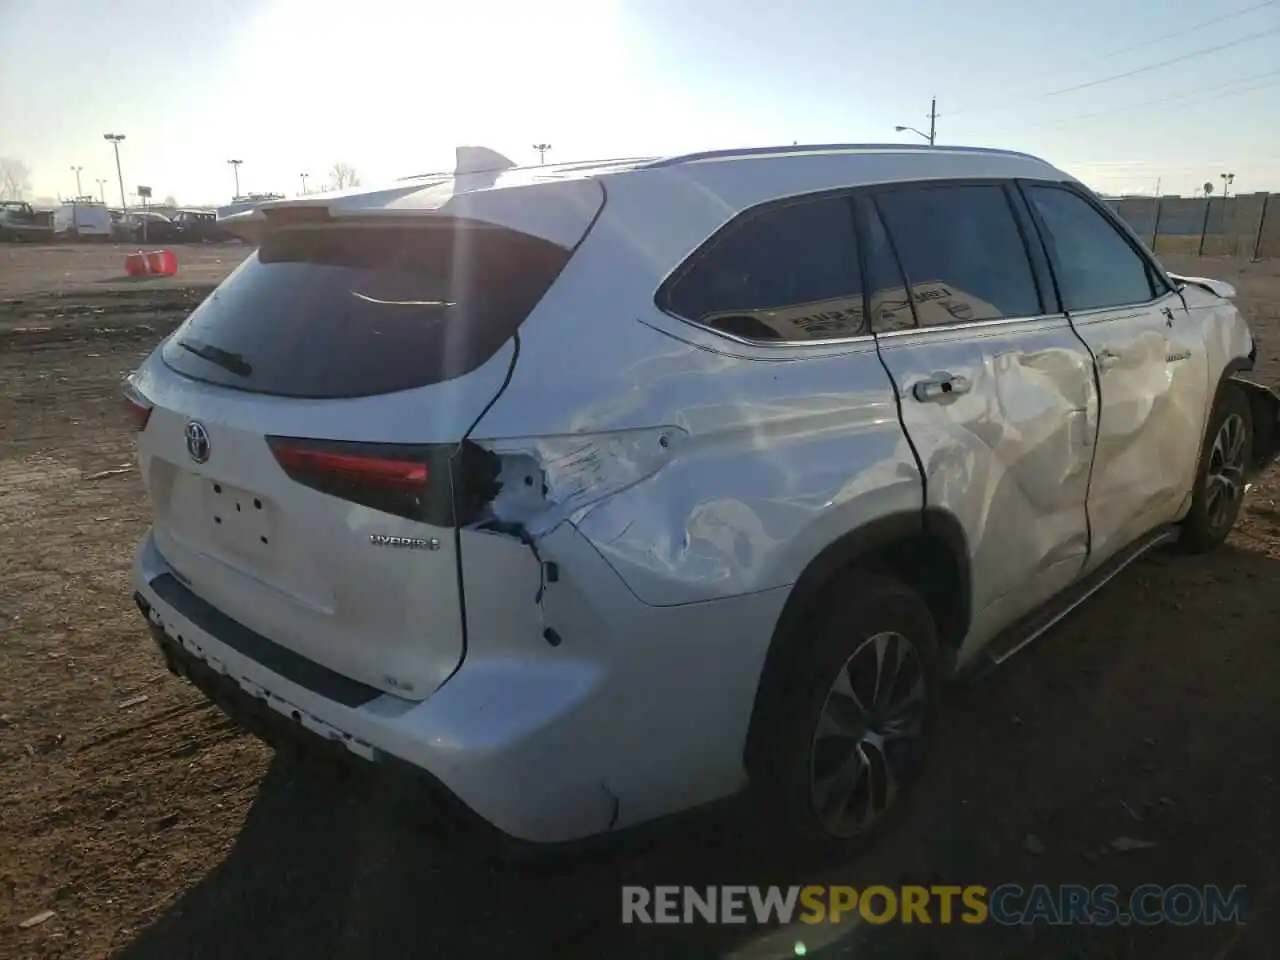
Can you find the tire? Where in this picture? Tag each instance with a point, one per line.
(1220, 477)
(862, 615)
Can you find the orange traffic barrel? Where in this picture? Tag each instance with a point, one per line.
(162, 263)
(135, 265)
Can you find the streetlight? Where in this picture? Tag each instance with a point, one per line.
(115, 139)
(235, 166)
(79, 189)
(102, 191)
(933, 124)
(1227, 180)
(542, 149)
(304, 183)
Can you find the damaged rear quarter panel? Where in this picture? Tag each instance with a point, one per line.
(782, 448)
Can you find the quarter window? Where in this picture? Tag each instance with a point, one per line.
(787, 272)
(962, 253)
(1096, 267)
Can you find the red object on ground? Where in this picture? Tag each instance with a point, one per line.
(162, 263)
(155, 263)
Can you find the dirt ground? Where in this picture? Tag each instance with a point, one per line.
(154, 830)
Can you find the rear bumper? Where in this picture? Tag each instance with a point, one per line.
(426, 794)
(474, 759)
(634, 713)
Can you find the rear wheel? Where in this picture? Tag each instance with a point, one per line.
(853, 721)
(1220, 480)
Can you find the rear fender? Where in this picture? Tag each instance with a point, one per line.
(876, 538)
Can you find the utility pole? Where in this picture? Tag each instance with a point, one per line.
(115, 139)
(542, 149)
(235, 167)
(304, 184)
(102, 191)
(933, 124)
(79, 189)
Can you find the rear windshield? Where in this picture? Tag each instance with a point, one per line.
(347, 311)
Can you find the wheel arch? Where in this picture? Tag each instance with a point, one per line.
(1264, 406)
(925, 549)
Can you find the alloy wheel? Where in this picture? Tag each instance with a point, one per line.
(1224, 480)
(867, 739)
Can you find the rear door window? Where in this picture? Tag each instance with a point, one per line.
(1095, 265)
(343, 311)
(785, 272)
(962, 253)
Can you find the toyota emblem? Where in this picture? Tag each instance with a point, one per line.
(197, 438)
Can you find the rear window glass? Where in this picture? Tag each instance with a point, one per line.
(352, 311)
(787, 272)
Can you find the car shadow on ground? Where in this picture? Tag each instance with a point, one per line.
(1151, 715)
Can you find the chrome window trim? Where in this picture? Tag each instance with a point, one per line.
(1092, 315)
(787, 344)
(997, 323)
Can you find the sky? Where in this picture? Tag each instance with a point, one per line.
(392, 86)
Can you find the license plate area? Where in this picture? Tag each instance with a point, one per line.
(239, 521)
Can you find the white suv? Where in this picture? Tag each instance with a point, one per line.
(595, 492)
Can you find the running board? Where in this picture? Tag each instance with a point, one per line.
(1035, 624)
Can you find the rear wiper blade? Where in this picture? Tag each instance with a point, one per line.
(231, 362)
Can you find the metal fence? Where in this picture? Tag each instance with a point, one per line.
(1246, 226)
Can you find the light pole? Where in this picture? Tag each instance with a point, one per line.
(542, 149)
(304, 184)
(1227, 180)
(235, 166)
(79, 189)
(933, 124)
(115, 139)
(102, 191)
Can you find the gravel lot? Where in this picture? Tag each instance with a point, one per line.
(153, 828)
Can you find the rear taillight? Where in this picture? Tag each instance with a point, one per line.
(440, 484)
(136, 405)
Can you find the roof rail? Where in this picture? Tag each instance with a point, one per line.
(729, 154)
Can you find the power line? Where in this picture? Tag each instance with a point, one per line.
(1190, 95)
(1178, 33)
(1203, 51)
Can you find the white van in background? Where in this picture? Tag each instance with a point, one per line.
(82, 220)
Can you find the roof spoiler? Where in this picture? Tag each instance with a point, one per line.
(248, 225)
(480, 160)
(469, 160)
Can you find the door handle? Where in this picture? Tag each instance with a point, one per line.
(933, 391)
(1107, 359)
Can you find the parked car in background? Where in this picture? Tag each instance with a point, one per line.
(19, 221)
(201, 226)
(146, 226)
(586, 512)
(82, 220)
(244, 203)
